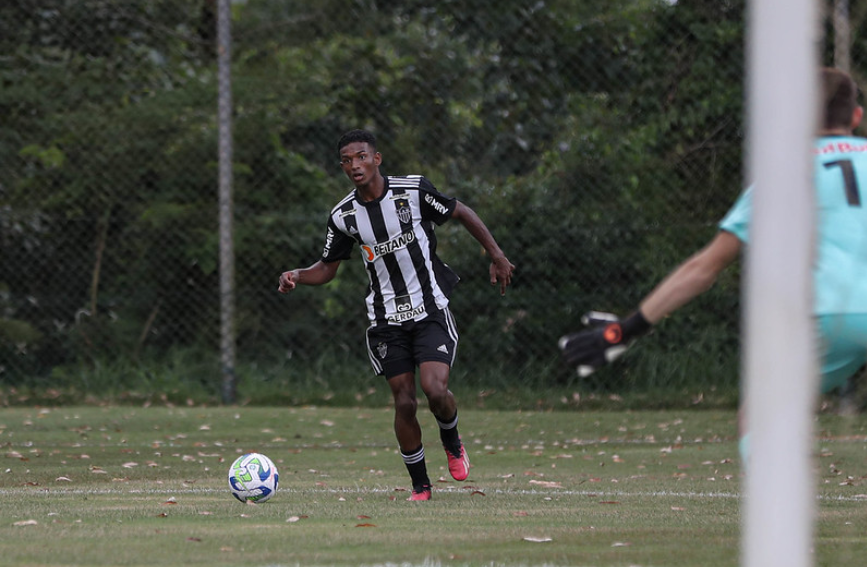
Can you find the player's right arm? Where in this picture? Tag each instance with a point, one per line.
(338, 246)
(316, 274)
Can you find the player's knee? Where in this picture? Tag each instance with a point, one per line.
(437, 391)
(405, 403)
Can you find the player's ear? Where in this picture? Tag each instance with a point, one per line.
(857, 115)
(377, 158)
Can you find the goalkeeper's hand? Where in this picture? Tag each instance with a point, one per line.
(603, 342)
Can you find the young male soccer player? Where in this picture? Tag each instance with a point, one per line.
(840, 267)
(392, 220)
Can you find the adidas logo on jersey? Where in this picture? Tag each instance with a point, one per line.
(443, 348)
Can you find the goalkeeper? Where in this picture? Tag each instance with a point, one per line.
(839, 270)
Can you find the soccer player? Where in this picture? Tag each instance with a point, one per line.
(392, 221)
(839, 270)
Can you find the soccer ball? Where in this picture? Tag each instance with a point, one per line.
(253, 478)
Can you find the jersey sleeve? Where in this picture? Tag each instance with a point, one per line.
(737, 220)
(435, 206)
(338, 245)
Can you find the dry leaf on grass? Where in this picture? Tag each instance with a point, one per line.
(26, 523)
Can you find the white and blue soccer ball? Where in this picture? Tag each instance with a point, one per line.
(253, 478)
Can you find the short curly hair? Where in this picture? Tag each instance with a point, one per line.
(356, 136)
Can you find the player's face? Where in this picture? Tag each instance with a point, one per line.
(360, 162)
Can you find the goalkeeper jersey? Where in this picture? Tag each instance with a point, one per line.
(395, 233)
(840, 264)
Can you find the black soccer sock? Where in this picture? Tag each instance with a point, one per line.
(449, 433)
(415, 464)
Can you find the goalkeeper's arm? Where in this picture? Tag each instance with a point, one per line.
(608, 337)
(692, 278)
(605, 340)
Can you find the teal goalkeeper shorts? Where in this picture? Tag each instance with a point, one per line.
(844, 347)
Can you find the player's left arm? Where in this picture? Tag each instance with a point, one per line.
(608, 336)
(501, 269)
(692, 278)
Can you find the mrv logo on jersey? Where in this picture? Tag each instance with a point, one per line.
(329, 239)
(440, 208)
(373, 252)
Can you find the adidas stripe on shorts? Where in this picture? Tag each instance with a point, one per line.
(397, 349)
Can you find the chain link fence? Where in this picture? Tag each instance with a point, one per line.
(600, 141)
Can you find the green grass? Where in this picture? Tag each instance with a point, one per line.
(147, 486)
(340, 379)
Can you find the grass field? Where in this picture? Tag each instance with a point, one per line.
(147, 486)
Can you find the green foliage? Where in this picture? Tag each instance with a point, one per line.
(575, 129)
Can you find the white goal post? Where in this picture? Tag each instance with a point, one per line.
(780, 371)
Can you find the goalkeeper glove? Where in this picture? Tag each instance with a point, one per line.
(606, 340)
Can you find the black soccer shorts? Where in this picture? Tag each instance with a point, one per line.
(397, 349)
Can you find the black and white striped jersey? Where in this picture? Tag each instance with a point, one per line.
(395, 234)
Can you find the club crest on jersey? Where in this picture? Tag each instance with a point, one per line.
(404, 213)
(375, 251)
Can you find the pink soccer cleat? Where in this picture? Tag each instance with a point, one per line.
(459, 464)
(420, 493)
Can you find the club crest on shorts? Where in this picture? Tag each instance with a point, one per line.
(382, 349)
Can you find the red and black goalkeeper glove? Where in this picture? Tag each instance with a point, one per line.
(606, 339)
